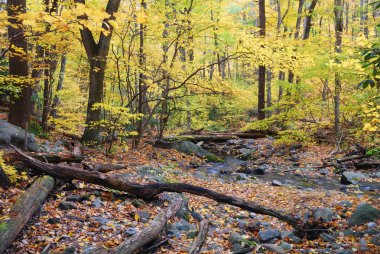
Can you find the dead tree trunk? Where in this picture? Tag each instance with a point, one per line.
(201, 237)
(27, 204)
(150, 191)
(147, 235)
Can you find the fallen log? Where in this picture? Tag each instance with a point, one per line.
(145, 236)
(56, 158)
(21, 211)
(368, 164)
(149, 191)
(201, 238)
(105, 168)
(5, 182)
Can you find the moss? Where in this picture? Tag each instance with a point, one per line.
(213, 158)
(3, 226)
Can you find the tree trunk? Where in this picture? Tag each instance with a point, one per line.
(56, 100)
(299, 18)
(338, 49)
(308, 19)
(96, 91)
(21, 211)
(20, 109)
(262, 70)
(97, 55)
(269, 91)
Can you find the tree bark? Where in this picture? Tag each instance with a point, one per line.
(97, 55)
(20, 109)
(21, 211)
(262, 70)
(150, 191)
(201, 237)
(338, 49)
(308, 19)
(299, 18)
(62, 72)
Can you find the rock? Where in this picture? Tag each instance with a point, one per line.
(351, 177)
(54, 220)
(345, 203)
(260, 170)
(286, 246)
(237, 247)
(190, 148)
(101, 220)
(352, 233)
(192, 234)
(371, 225)
(130, 231)
(182, 225)
(274, 248)
(149, 171)
(240, 176)
(11, 134)
(97, 203)
(376, 240)
(137, 203)
(76, 198)
(364, 213)
(344, 252)
(294, 158)
(245, 154)
(276, 183)
(235, 238)
(144, 216)
(65, 205)
(269, 234)
(294, 239)
(323, 214)
(327, 237)
(323, 171)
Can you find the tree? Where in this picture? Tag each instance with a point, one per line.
(97, 53)
(262, 70)
(338, 86)
(20, 109)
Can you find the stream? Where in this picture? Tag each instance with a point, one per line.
(306, 178)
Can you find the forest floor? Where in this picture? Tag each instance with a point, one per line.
(88, 215)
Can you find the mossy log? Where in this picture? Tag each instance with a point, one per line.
(24, 208)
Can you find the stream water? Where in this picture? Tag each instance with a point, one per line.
(287, 175)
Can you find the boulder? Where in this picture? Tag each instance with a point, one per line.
(11, 134)
(351, 177)
(364, 213)
(276, 183)
(323, 214)
(269, 234)
(190, 148)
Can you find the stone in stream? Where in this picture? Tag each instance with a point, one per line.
(276, 183)
(190, 148)
(364, 213)
(351, 177)
(261, 170)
